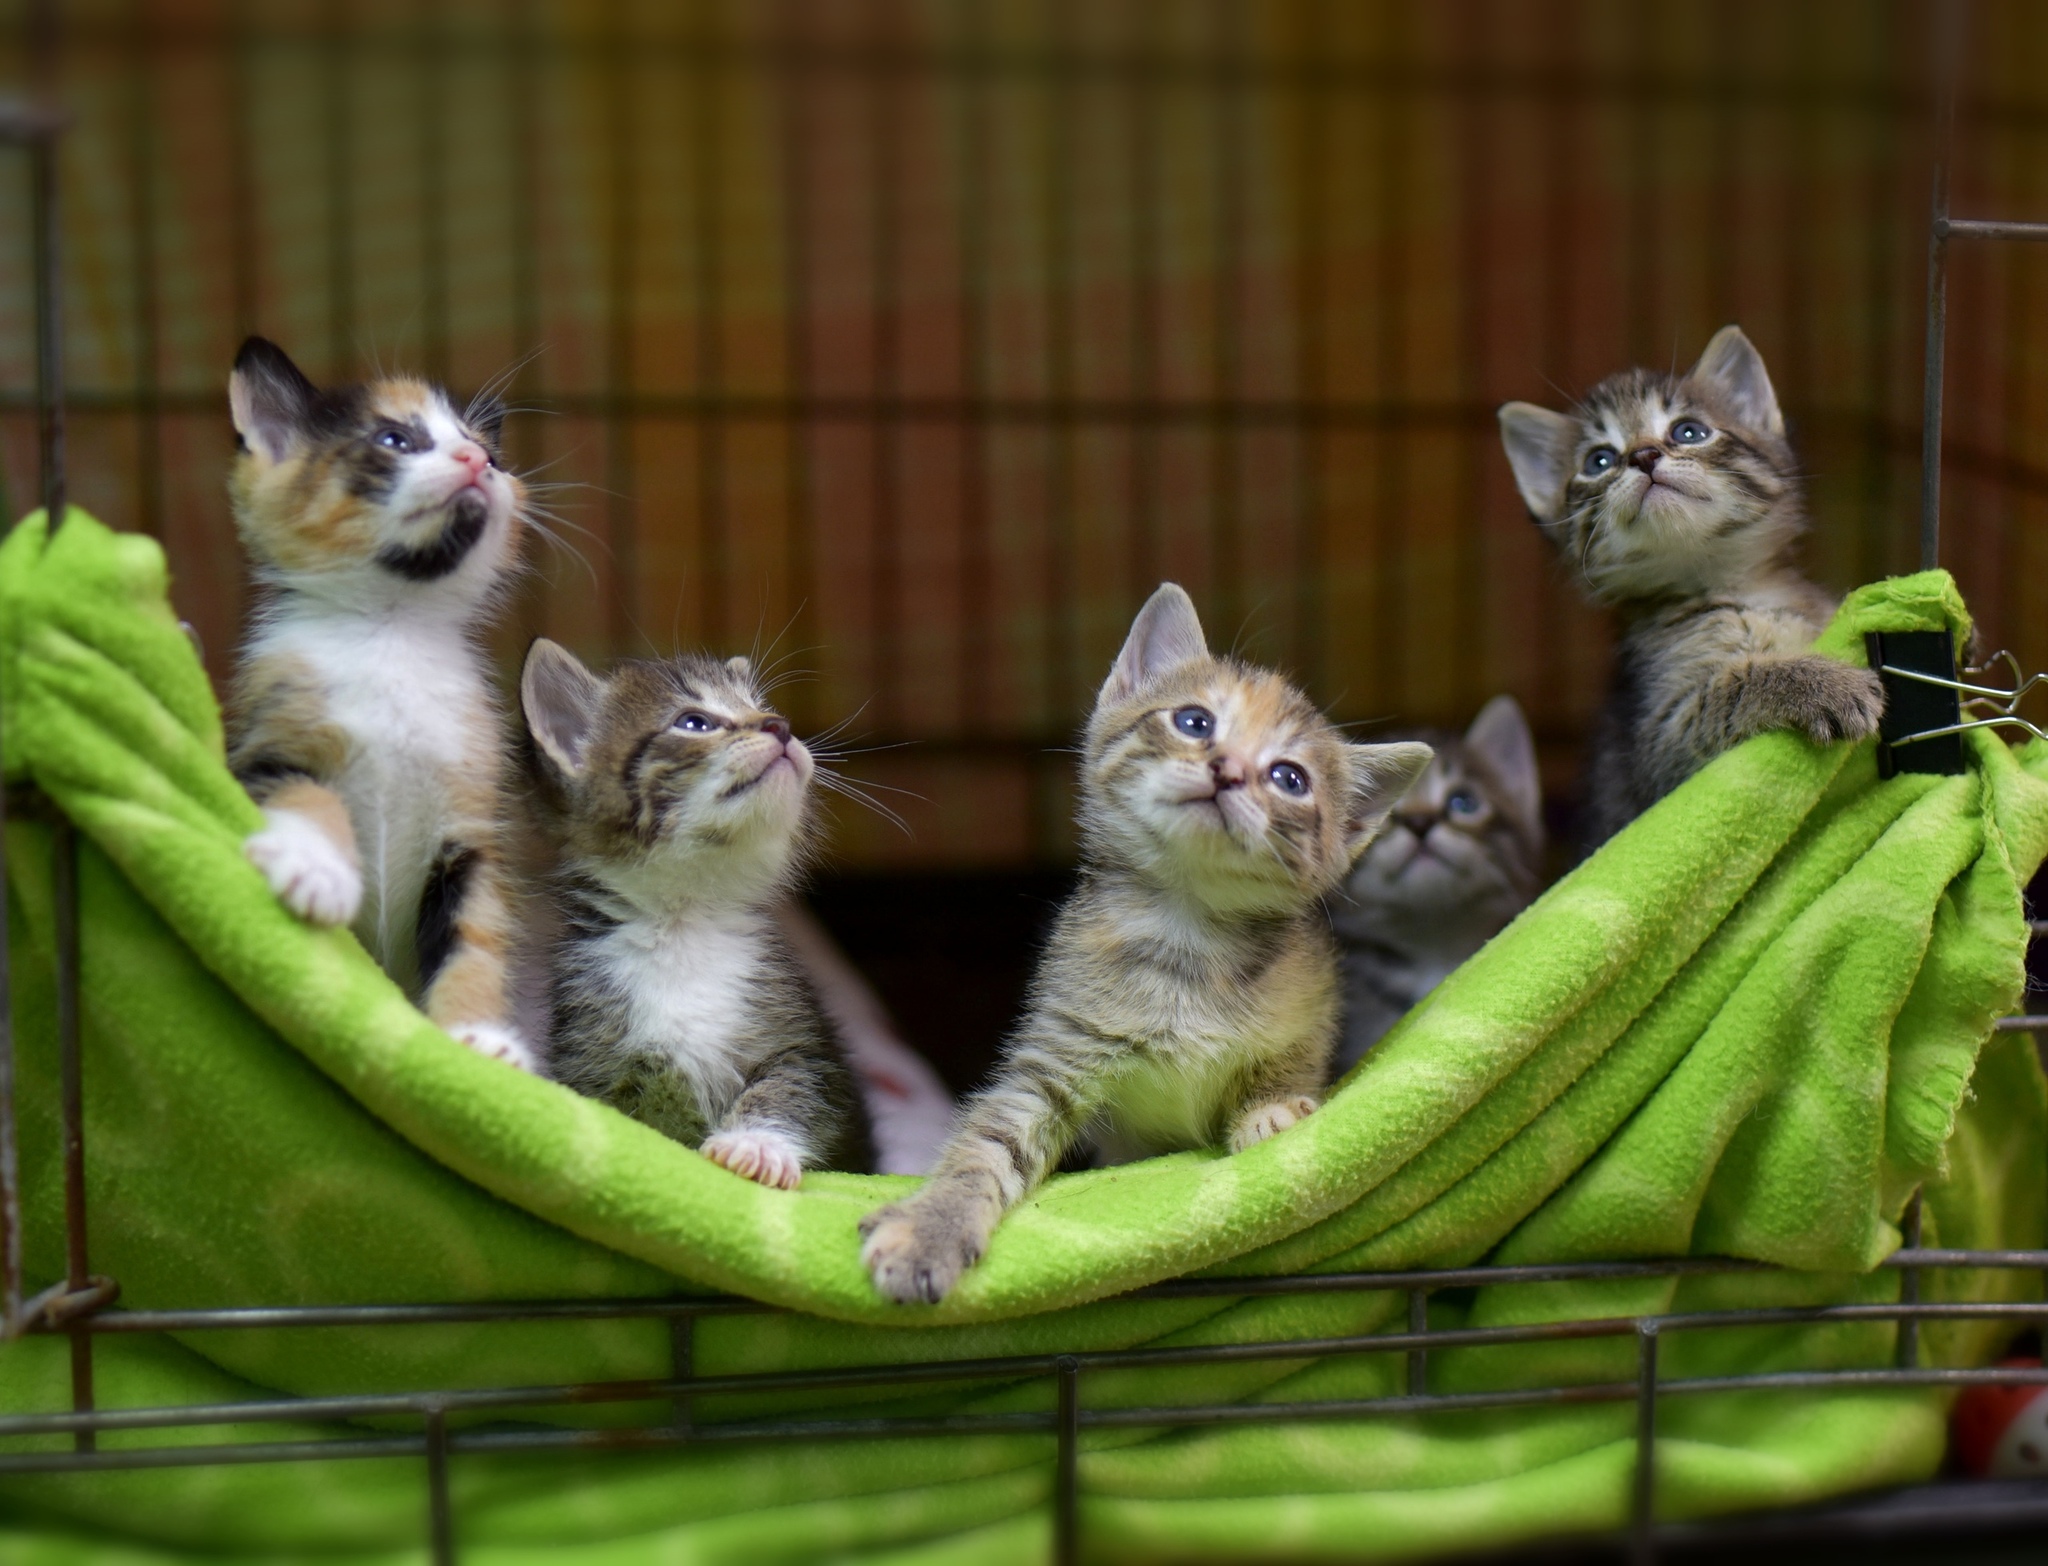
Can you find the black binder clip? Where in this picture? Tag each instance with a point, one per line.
(1928, 707)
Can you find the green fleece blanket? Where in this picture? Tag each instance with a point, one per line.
(1751, 1025)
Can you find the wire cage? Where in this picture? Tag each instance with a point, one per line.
(83, 1306)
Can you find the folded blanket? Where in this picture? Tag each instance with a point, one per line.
(1751, 1025)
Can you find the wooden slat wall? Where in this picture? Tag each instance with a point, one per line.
(916, 341)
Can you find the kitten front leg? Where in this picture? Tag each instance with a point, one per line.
(778, 1122)
(1825, 700)
(1013, 1132)
(1279, 1095)
(307, 850)
(464, 935)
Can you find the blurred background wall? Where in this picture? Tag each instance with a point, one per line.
(917, 339)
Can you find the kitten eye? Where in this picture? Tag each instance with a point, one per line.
(395, 440)
(1599, 460)
(1463, 805)
(696, 723)
(1690, 432)
(1195, 722)
(1288, 778)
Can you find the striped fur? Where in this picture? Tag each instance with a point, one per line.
(1462, 856)
(679, 806)
(1188, 996)
(1675, 501)
(382, 531)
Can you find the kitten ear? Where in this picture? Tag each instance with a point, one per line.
(741, 667)
(1380, 776)
(559, 698)
(1733, 367)
(270, 398)
(1501, 735)
(1166, 633)
(1539, 446)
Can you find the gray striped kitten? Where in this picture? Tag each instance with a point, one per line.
(679, 807)
(1188, 995)
(1462, 856)
(1675, 501)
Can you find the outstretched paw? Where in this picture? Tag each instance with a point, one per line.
(1270, 1120)
(311, 876)
(498, 1042)
(915, 1251)
(761, 1156)
(1848, 704)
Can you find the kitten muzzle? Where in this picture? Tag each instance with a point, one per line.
(467, 515)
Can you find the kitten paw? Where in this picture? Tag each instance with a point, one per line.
(497, 1042)
(309, 874)
(761, 1156)
(1847, 705)
(915, 1253)
(1270, 1120)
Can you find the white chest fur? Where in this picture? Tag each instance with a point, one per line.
(690, 986)
(409, 693)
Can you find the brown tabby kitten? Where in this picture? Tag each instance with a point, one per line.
(1462, 856)
(382, 530)
(679, 804)
(1189, 991)
(1675, 500)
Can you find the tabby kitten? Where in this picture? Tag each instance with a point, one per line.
(1189, 991)
(382, 529)
(679, 805)
(1462, 856)
(1675, 501)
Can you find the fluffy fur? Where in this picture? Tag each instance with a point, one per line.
(381, 527)
(1188, 995)
(679, 804)
(1675, 501)
(1462, 856)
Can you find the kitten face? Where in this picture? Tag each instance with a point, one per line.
(1223, 781)
(368, 490)
(1660, 486)
(1467, 837)
(671, 780)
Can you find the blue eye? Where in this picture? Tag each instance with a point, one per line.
(1690, 432)
(395, 440)
(1599, 460)
(1463, 804)
(696, 723)
(1288, 778)
(1195, 722)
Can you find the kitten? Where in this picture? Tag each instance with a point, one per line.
(1675, 500)
(382, 529)
(1188, 995)
(1462, 856)
(679, 804)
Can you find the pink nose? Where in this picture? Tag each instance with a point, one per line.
(1228, 772)
(779, 727)
(472, 456)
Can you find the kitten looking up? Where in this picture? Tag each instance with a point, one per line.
(1462, 856)
(1675, 501)
(1188, 994)
(679, 806)
(382, 529)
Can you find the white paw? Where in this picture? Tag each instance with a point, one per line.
(498, 1042)
(1270, 1120)
(309, 874)
(760, 1156)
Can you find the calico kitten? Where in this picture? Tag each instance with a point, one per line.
(1462, 856)
(1675, 501)
(1188, 994)
(679, 804)
(382, 529)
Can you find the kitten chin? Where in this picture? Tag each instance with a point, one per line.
(1675, 500)
(1188, 995)
(678, 805)
(1461, 857)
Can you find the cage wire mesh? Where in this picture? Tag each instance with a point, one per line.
(918, 341)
